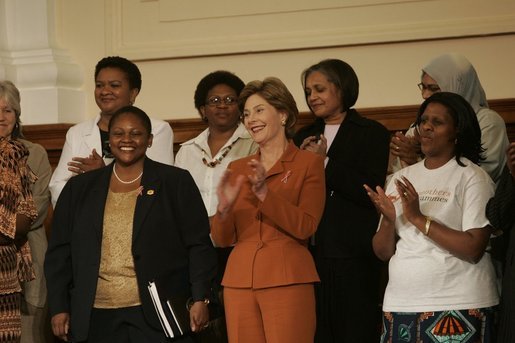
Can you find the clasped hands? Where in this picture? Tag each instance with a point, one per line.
(228, 192)
(405, 147)
(316, 144)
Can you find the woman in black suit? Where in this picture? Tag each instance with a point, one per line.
(501, 213)
(356, 152)
(119, 227)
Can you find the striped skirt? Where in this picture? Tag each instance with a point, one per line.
(10, 296)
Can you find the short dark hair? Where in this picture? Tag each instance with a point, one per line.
(276, 94)
(211, 80)
(468, 135)
(129, 68)
(341, 75)
(145, 119)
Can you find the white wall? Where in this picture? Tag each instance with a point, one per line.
(387, 49)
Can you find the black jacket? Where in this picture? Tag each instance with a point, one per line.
(357, 156)
(170, 232)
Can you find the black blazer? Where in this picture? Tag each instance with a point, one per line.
(357, 156)
(170, 232)
(501, 213)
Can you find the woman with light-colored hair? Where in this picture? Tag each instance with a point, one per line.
(17, 213)
(270, 203)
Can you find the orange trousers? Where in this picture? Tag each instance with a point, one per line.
(283, 314)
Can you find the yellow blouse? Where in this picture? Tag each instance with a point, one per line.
(117, 285)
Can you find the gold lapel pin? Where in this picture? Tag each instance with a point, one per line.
(150, 192)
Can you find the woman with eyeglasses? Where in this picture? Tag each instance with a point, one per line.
(206, 156)
(454, 73)
(225, 139)
(434, 233)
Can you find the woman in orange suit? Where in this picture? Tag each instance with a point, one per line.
(270, 204)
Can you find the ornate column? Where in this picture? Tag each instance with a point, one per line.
(49, 82)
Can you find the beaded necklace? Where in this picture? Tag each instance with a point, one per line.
(218, 160)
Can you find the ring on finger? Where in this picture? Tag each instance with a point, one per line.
(405, 194)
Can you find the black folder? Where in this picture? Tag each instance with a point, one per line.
(171, 296)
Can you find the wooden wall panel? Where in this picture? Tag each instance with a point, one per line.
(52, 136)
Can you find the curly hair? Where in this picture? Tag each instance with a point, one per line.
(130, 69)
(213, 79)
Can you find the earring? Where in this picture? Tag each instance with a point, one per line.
(283, 122)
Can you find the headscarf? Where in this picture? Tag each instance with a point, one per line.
(454, 73)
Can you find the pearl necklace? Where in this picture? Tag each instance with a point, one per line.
(125, 182)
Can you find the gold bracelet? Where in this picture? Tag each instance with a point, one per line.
(428, 225)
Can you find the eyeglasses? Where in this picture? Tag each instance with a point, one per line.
(432, 88)
(217, 101)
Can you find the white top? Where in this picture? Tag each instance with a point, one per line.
(83, 137)
(422, 275)
(494, 140)
(190, 156)
(330, 132)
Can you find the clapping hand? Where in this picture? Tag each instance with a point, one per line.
(409, 198)
(382, 202)
(227, 192)
(257, 180)
(406, 148)
(315, 144)
(79, 165)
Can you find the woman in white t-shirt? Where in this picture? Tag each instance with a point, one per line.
(434, 233)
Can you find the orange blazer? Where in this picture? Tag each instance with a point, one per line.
(271, 237)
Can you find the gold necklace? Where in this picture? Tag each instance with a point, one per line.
(125, 182)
